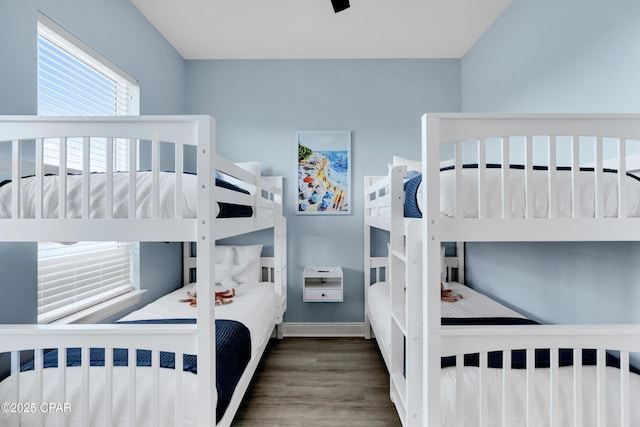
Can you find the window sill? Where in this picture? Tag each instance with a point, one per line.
(103, 310)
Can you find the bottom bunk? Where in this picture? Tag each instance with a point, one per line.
(150, 391)
(576, 385)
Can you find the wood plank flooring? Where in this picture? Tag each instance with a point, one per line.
(319, 382)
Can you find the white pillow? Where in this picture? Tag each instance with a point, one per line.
(251, 167)
(247, 259)
(223, 254)
(412, 165)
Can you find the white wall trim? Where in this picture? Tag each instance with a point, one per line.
(324, 329)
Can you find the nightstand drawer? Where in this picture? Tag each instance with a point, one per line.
(323, 295)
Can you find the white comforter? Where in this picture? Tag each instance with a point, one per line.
(254, 305)
(562, 185)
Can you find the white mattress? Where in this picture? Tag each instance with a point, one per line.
(473, 304)
(540, 391)
(97, 195)
(585, 208)
(562, 185)
(254, 305)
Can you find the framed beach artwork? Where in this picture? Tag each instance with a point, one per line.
(324, 172)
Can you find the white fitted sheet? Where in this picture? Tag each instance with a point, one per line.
(254, 306)
(472, 304)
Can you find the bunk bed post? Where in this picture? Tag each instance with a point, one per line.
(431, 271)
(414, 322)
(206, 333)
(367, 261)
(280, 269)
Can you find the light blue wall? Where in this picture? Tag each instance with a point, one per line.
(558, 56)
(117, 30)
(259, 106)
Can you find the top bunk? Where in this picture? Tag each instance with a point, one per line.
(162, 181)
(571, 177)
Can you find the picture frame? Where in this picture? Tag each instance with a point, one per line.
(324, 172)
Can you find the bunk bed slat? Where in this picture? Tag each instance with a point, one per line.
(575, 169)
(577, 387)
(15, 179)
(625, 399)
(62, 383)
(108, 382)
(179, 169)
(599, 180)
(155, 386)
(553, 198)
(131, 368)
(155, 179)
(38, 366)
(85, 401)
(622, 174)
(38, 178)
(482, 178)
(554, 395)
(62, 178)
(458, 185)
(530, 381)
(528, 177)
(601, 391)
(179, 413)
(15, 382)
(483, 405)
(86, 176)
(108, 180)
(506, 187)
(506, 393)
(132, 177)
(459, 390)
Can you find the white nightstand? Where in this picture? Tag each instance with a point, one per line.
(322, 284)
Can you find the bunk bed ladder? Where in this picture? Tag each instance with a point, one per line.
(406, 299)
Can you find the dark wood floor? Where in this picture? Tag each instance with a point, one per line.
(319, 382)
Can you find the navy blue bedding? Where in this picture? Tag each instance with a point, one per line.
(518, 357)
(233, 352)
(411, 209)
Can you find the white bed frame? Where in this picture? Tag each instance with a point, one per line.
(415, 245)
(199, 339)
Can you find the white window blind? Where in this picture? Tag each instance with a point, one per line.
(74, 277)
(75, 80)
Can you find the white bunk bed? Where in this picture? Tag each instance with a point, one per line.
(464, 204)
(149, 206)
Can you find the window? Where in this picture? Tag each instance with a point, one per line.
(73, 79)
(74, 277)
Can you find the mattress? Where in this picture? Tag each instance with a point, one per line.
(585, 209)
(472, 305)
(144, 180)
(254, 305)
(475, 306)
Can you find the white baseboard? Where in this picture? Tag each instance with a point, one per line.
(315, 329)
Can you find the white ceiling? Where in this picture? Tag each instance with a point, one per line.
(297, 29)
